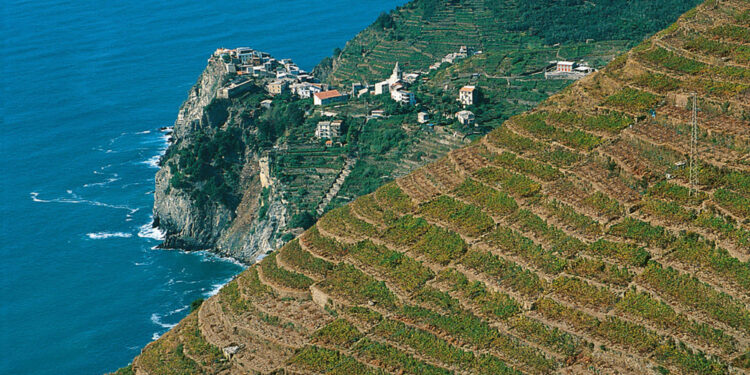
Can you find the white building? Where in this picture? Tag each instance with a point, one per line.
(306, 89)
(396, 76)
(328, 97)
(565, 66)
(245, 54)
(466, 118)
(403, 97)
(467, 95)
(328, 129)
(423, 117)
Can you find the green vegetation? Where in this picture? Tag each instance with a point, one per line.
(354, 285)
(630, 99)
(527, 166)
(281, 276)
(434, 347)
(321, 360)
(511, 242)
(602, 204)
(610, 122)
(732, 32)
(696, 252)
(293, 255)
(398, 268)
(625, 253)
(512, 183)
(440, 245)
(583, 293)
(323, 246)
(390, 196)
(475, 332)
(676, 193)
(209, 168)
(341, 222)
(496, 305)
(393, 358)
(537, 126)
(338, 333)
(506, 273)
(642, 231)
(598, 270)
(643, 306)
(690, 292)
(734, 202)
(463, 218)
(498, 203)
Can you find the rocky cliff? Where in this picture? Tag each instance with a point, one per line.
(192, 225)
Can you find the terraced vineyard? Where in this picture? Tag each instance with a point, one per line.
(565, 241)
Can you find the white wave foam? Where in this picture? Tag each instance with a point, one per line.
(108, 181)
(153, 161)
(181, 309)
(155, 336)
(215, 289)
(144, 132)
(156, 319)
(104, 235)
(207, 256)
(149, 231)
(76, 199)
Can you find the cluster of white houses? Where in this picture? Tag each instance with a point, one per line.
(463, 52)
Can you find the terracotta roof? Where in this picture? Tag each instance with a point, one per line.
(468, 88)
(327, 94)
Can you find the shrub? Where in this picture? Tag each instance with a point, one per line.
(393, 358)
(624, 253)
(323, 246)
(338, 333)
(462, 217)
(281, 276)
(495, 201)
(401, 270)
(493, 304)
(321, 360)
(440, 245)
(511, 242)
(293, 254)
(510, 182)
(390, 196)
(507, 274)
(630, 99)
(527, 166)
(690, 292)
(360, 288)
(598, 270)
(638, 230)
(732, 201)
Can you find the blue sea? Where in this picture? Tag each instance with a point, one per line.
(85, 88)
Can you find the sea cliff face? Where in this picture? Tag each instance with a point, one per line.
(237, 233)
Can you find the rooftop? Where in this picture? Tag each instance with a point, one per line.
(327, 94)
(468, 88)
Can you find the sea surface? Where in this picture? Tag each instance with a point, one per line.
(85, 87)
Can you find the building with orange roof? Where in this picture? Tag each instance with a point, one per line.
(328, 97)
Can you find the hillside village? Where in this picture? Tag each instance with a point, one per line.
(349, 138)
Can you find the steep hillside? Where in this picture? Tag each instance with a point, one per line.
(568, 240)
(273, 176)
(423, 31)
